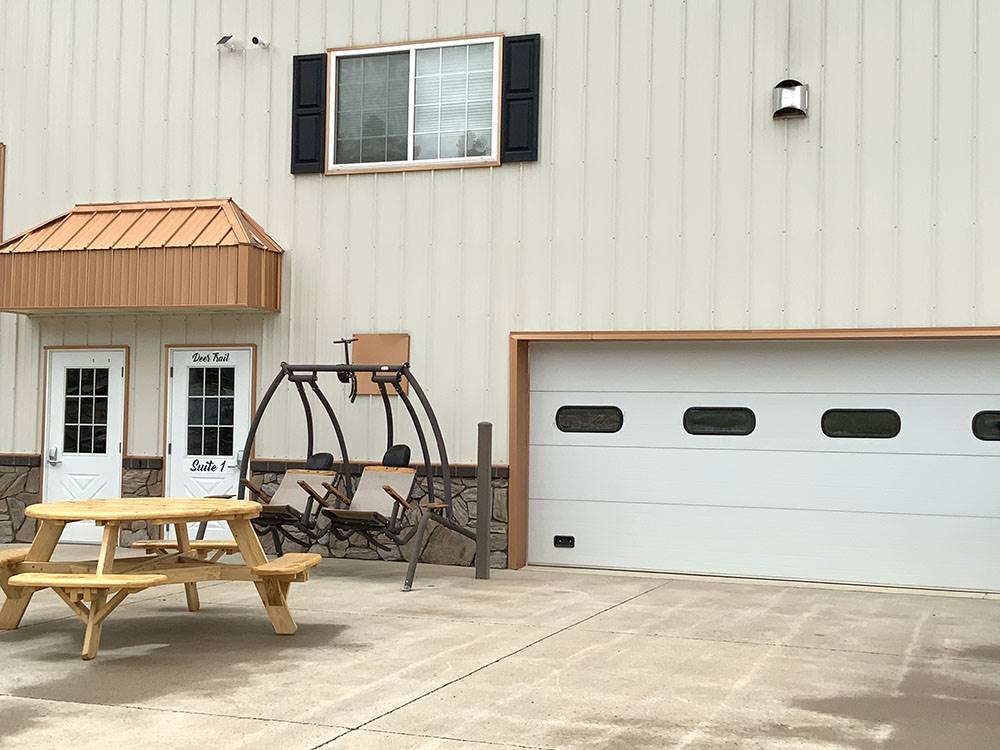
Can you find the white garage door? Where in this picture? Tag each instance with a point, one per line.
(869, 462)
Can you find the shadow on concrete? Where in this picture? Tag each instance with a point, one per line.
(149, 656)
(15, 718)
(928, 711)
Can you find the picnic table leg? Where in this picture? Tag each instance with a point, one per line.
(105, 566)
(46, 537)
(92, 637)
(184, 545)
(272, 593)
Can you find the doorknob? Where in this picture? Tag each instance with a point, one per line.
(53, 457)
(238, 462)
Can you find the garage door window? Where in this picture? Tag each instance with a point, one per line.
(986, 425)
(860, 423)
(589, 419)
(719, 420)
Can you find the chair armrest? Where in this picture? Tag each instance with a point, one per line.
(257, 490)
(311, 491)
(434, 506)
(337, 494)
(396, 496)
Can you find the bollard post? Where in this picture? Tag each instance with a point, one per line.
(484, 499)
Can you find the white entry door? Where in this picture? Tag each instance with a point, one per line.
(209, 415)
(84, 407)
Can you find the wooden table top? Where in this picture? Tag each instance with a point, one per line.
(166, 509)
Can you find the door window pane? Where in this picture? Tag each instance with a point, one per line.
(72, 381)
(85, 416)
(86, 439)
(100, 439)
(101, 410)
(227, 379)
(87, 381)
(211, 411)
(210, 444)
(211, 381)
(225, 441)
(194, 441)
(101, 382)
(70, 437)
(72, 410)
(196, 381)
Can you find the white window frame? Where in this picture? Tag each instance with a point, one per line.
(333, 55)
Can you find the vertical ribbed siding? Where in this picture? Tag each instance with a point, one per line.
(665, 196)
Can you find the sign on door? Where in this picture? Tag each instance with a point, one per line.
(209, 415)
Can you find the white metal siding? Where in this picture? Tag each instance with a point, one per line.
(665, 197)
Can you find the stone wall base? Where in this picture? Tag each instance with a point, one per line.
(441, 546)
(140, 483)
(20, 487)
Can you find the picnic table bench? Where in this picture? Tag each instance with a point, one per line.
(94, 588)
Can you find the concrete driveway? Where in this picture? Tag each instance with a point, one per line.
(536, 658)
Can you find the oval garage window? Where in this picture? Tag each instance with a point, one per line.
(986, 425)
(719, 420)
(860, 423)
(589, 418)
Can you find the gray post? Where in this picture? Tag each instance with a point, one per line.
(484, 499)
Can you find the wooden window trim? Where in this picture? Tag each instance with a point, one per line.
(519, 388)
(329, 168)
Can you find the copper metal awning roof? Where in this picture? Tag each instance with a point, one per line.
(196, 254)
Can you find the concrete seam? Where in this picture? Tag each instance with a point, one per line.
(134, 707)
(446, 738)
(507, 656)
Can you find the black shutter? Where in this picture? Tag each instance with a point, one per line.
(519, 118)
(308, 113)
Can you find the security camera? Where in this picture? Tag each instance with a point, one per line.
(230, 44)
(258, 42)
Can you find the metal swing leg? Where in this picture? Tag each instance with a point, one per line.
(418, 544)
(276, 537)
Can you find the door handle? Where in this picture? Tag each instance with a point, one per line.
(238, 462)
(53, 457)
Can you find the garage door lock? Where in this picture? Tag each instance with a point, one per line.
(564, 541)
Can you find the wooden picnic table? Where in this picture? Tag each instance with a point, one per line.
(94, 588)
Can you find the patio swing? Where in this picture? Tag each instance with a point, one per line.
(374, 508)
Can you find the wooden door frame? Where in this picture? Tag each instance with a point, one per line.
(46, 350)
(167, 349)
(519, 385)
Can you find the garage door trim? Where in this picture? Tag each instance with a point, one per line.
(519, 394)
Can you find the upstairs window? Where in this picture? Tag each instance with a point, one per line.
(414, 105)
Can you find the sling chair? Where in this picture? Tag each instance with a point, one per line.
(292, 512)
(378, 507)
